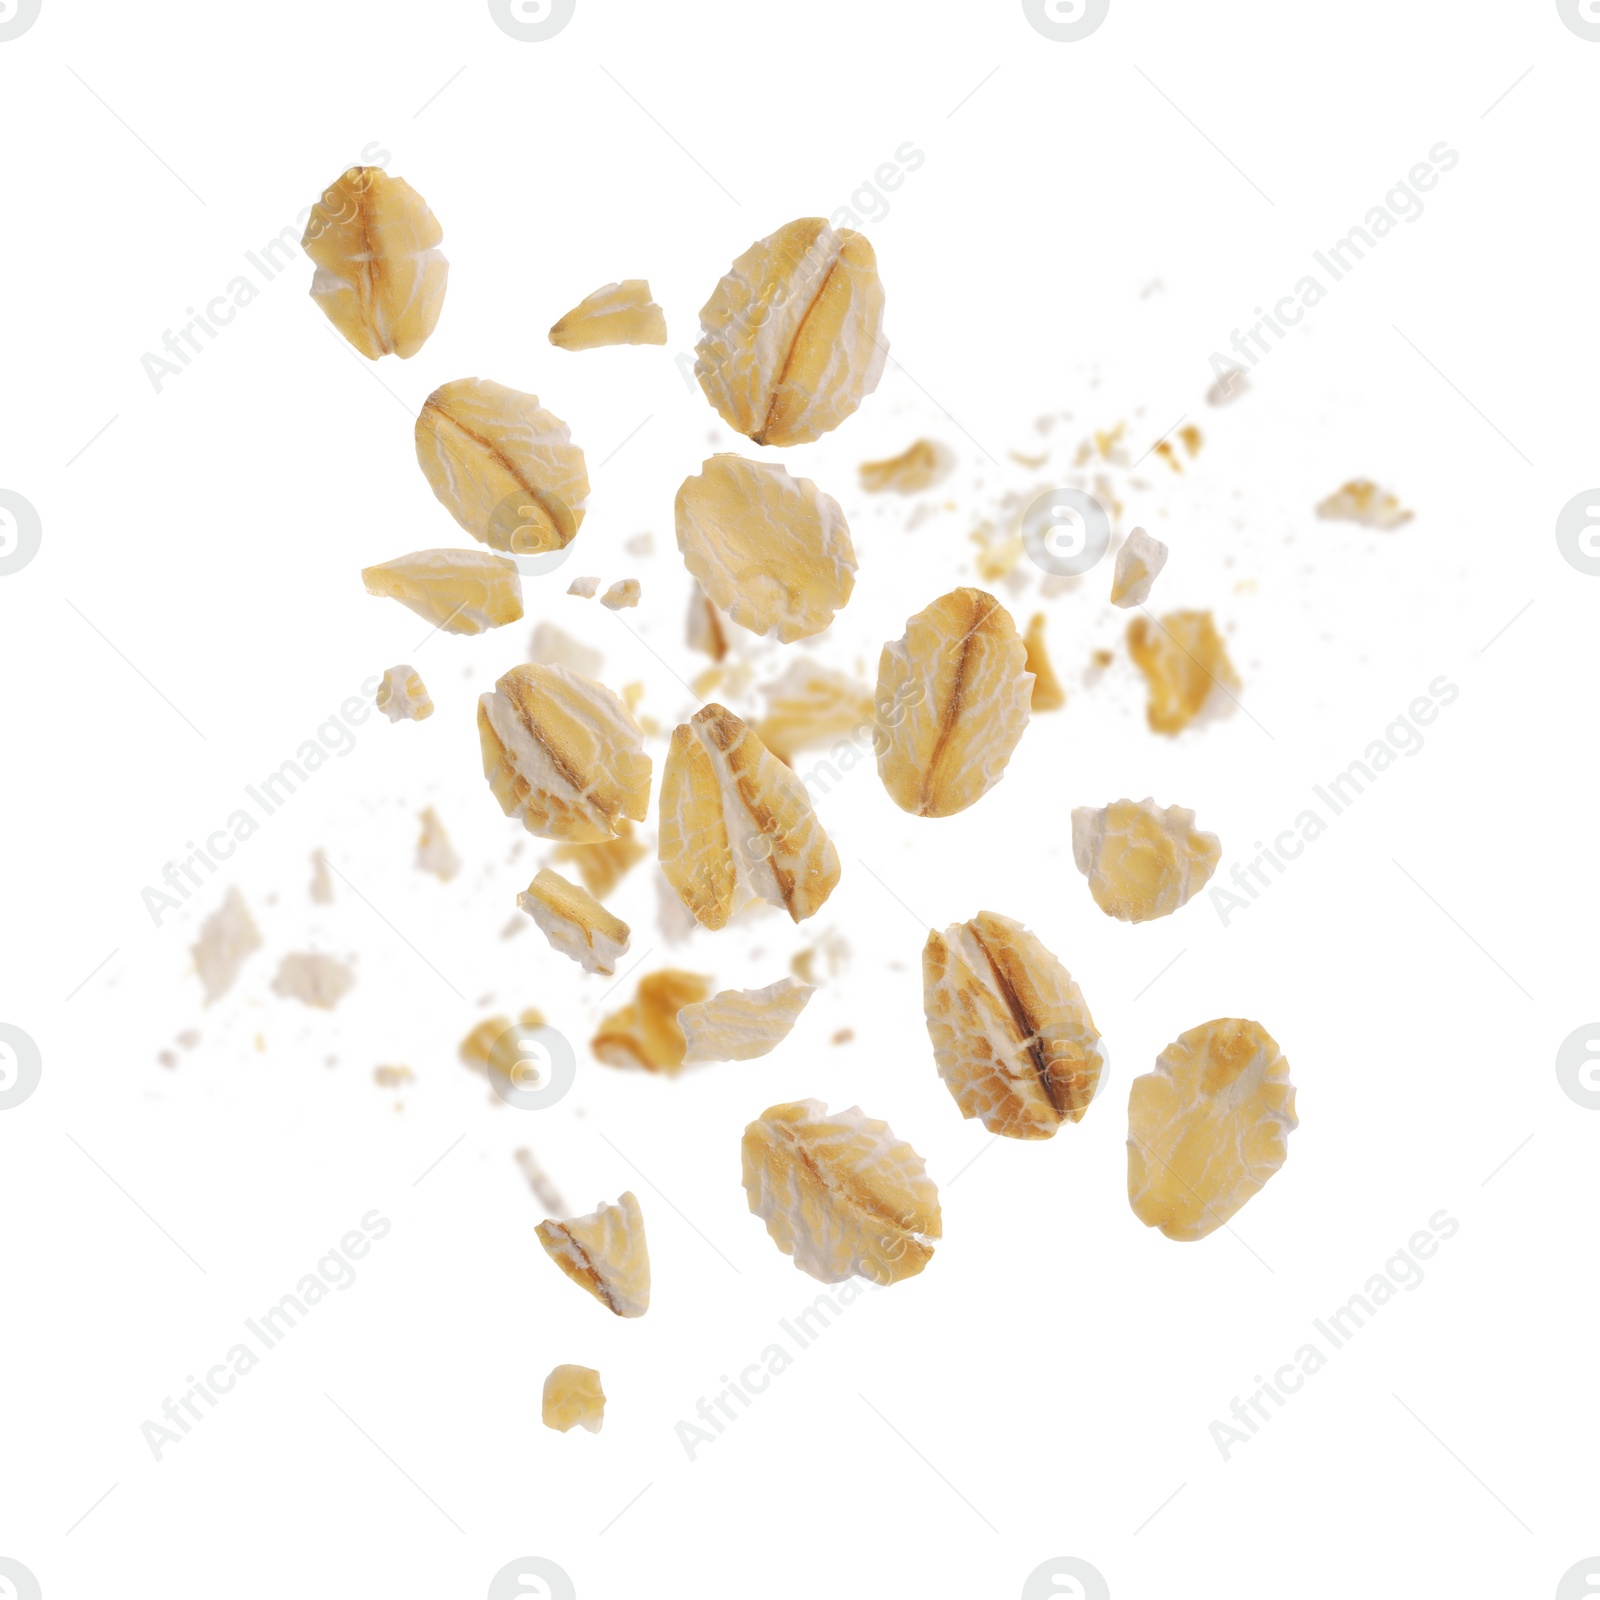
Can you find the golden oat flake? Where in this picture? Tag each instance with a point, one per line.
(563, 754)
(1142, 862)
(770, 550)
(840, 1193)
(605, 1253)
(1208, 1127)
(645, 1032)
(403, 696)
(458, 591)
(575, 922)
(792, 337)
(380, 276)
(573, 1398)
(916, 468)
(1012, 1035)
(504, 467)
(618, 313)
(737, 825)
(952, 701)
(1185, 666)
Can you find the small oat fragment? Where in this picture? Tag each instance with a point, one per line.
(737, 825)
(550, 647)
(584, 588)
(189, 1038)
(840, 1193)
(1228, 387)
(623, 594)
(393, 1077)
(167, 1059)
(321, 882)
(1363, 501)
(492, 1047)
(831, 947)
(1207, 1127)
(434, 851)
(792, 337)
(575, 922)
(605, 1253)
(640, 544)
(645, 1032)
(1185, 666)
(1139, 564)
(813, 705)
(917, 468)
(1048, 695)
(602, 866)
(741, 1024)
(843, 1036)
(504, 467)
(1012, 1035)
(573, 1398)
(618, 313)
(315, 980)
(951, 704)
(1142, 862)
(772, 551)
(380, 276)
(704, 631)
(227, 937)
(403, 696)
(563, 754)
(539, 1181)
(998, 557)
(460, 591)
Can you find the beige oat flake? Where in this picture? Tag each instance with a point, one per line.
(605, 1253)
(227, 938)
(380, 276)
(622, 595)
(742, 1024)
(916, 468)
(618, 313)
(1139, 564)
(573, 1398)
(1142, 862)
(1364, 502)
(792, 337)
(459, 591)
(435, 853)
(563, 754)
(840, 1193)
(952, 701)
(402, 696)
(313, 979)
(1012, 1035)
(737, 825)
(575, 922)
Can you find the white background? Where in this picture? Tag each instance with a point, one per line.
(1046, 1387)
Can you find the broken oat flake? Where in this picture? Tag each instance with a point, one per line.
(573, 1398)
(1142, 862)
(605, 1253)
(314, 980)
(227, 937)
(618, 313)
(575, 923)
(645, 1032)
(742, 1024)
(459, 591)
